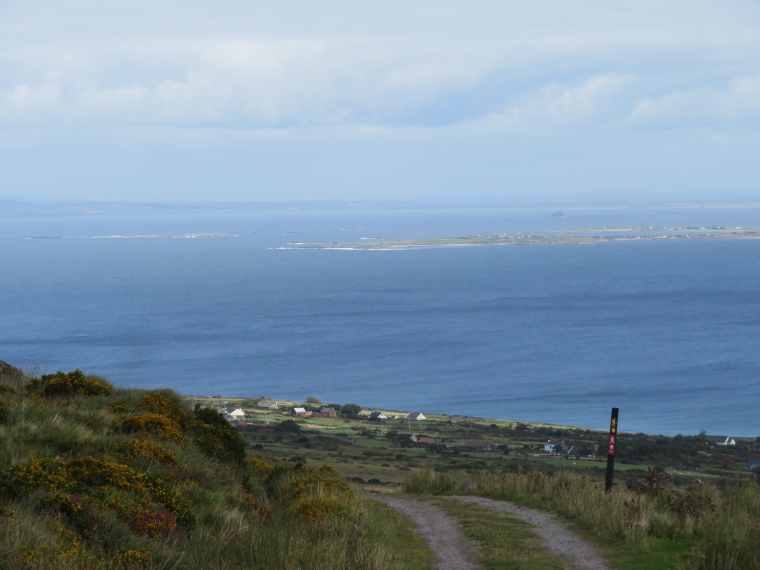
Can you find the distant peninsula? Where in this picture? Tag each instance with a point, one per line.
(578, 236)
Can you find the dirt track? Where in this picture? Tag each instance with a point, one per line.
(454, 551)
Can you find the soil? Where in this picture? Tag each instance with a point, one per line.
(454, 551)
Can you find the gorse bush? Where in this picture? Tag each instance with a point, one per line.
(75, 383)
(97, 477)
(157, 425)
(215, 437)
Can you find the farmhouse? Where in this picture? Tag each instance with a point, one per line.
(328, 412)
(378, 416)
(301, 412)
(234, 412)
(721, 439)
(416, 416)
(267, 405)
(551, 447)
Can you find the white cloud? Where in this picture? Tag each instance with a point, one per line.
(737, 100)
(598, 101)
(429, 81)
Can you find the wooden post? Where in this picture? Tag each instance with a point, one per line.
(612, 442)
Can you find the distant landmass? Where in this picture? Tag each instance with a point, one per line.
(579, 236)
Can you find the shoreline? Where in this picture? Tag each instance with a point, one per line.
(569, 237)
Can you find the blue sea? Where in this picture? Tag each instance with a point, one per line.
(666, 330)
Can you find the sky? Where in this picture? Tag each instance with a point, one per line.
(515, 102)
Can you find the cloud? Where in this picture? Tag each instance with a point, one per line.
(442, 90)
(736, 101)
(597, 101)
(250, 84)
(298, 65)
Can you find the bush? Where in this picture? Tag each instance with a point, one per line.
(289, 426)
(216, 438)
(154, 424)
(74, 383)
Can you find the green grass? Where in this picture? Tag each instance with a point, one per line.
(697, 526)
(377, 443)
(504, 542)
(80, 486)
(411, 548)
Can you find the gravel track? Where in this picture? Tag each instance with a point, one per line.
(443, 533)
(454, 551)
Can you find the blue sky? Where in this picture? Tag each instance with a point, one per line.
(540, 102)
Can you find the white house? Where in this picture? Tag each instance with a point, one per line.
(234, 412)
(267, 405)
(416, 416)
(550, 446)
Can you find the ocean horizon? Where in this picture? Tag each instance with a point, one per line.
(666, 330)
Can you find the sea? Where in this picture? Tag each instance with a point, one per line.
(667, 331)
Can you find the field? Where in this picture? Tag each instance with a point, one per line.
(381, 450)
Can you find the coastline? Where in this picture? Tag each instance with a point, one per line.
(569, 237)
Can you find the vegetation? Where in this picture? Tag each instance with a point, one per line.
(100, 477)
(506, 542)
(97, 477)
(697, 526)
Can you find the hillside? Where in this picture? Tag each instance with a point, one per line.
(93, 476)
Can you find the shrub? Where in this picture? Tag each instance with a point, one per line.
(316, 509)
(79, 488)
(166, 403)
(154, 451)
(74, 383)
(216, 438)
(289, 426)
(154, 424)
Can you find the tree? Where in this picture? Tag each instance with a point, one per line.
(351, 410)
(290, 426)
(313, 400)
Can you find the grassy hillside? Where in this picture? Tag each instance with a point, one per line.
(97, 477)
(93, 476)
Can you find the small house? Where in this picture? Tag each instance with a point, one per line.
(267, 405)
(424, 440)
(234, 412)
(406, 438)
(555, 447)
(328, 412)
(721, 440)
(416, 416)
(301, 412)
(573, 452)
(378, 416)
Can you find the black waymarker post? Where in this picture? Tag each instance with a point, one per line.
(611, 449)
